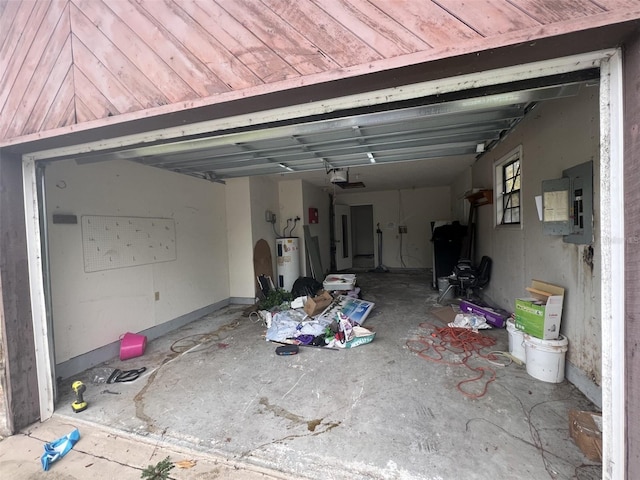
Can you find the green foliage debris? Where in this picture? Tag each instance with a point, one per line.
(275, 298)
(159, 471)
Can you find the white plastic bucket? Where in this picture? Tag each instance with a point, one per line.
(516, 342)
(545, 358)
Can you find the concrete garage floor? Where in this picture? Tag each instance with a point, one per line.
(378, 411)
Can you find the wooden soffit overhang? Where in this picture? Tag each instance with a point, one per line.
(516, 47)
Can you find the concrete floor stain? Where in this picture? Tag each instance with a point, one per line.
(281, 412)
(311, 424)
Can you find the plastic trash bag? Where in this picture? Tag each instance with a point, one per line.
(290, 324)
(284, 325)
(306, 286)
(470, 321)
(101, 375)
(54, 451)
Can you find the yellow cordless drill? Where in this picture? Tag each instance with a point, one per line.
(79, 405)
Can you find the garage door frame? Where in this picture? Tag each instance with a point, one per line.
(612, 229)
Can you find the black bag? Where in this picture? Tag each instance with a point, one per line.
(305, 286)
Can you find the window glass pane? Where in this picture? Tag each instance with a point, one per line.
(508, 186)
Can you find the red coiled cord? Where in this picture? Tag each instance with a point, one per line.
(457, 341)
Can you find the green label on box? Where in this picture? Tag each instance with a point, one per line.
(530, 318)
(536, 310)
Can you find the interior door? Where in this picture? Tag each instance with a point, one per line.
(342, 229)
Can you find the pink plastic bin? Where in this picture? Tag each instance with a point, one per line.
(132, 345)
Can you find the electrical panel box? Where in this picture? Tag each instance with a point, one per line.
(581, 207)
(567, 205)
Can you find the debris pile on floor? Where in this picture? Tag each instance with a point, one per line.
(320, 318)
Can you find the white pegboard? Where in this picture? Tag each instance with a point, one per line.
(117, 242)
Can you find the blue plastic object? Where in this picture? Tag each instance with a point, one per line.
(57, 449)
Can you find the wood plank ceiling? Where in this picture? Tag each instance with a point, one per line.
(65, 62)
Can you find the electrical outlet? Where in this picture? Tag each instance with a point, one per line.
(157, 296)
(402, 229)
(269, 216)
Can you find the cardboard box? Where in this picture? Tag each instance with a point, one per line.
(586, 430)
(540, 314)
(445, 314)
(316, 305)
(497, 318)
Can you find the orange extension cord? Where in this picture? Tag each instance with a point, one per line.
(459, 341)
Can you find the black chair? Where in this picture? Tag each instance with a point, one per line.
(466, 278)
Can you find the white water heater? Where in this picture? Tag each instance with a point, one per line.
(288, 257)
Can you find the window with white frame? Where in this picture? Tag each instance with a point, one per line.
(508, 178)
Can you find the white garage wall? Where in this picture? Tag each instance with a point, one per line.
(264, 196)
(238, 200)
(248, 199)
(416, 208)
(91, 310)
(459, 204)
(554, 136)
(315, 197)
(290, 199)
